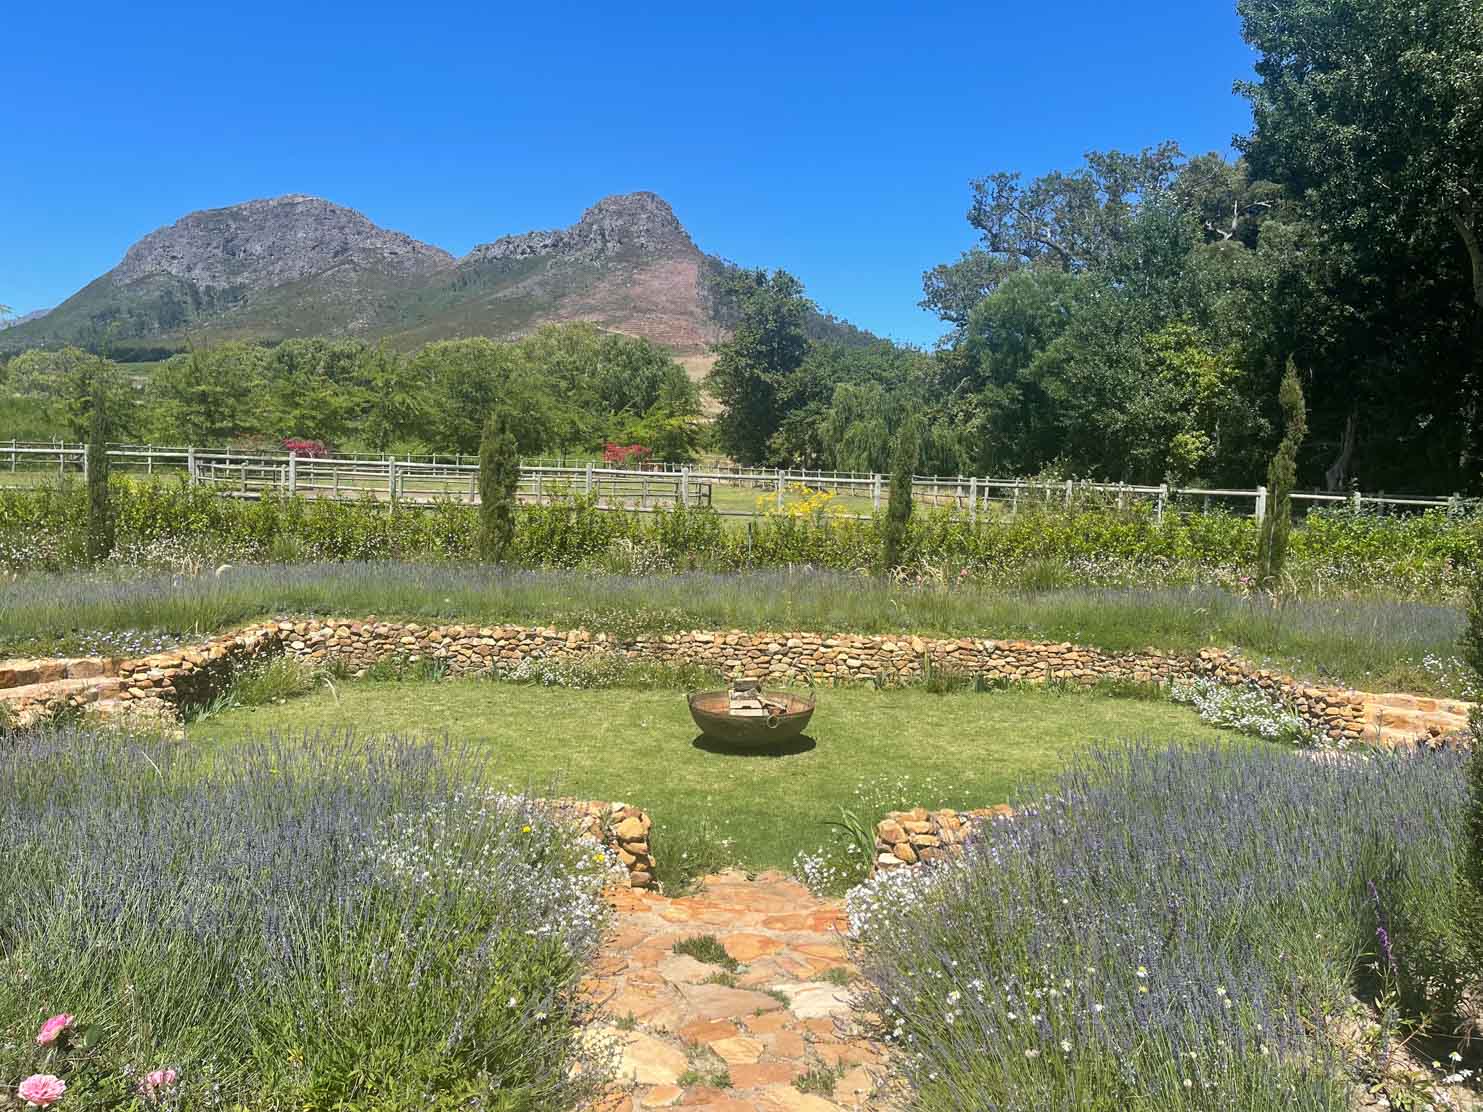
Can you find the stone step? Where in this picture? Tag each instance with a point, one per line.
(26, 673)
(90, 687)
(1418, 720)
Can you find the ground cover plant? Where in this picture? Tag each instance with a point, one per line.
(1096, 543)
(1182, 927)
(288, 924)
(1375, 644)
(867, 751)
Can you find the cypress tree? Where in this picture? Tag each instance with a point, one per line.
(1282, 474)
(100, 523)
(499, 478)
(904, 458)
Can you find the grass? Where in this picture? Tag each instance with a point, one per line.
(1365, 642)
(907, 746)
(707, 948)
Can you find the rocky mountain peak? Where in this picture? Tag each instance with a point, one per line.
(265, 243)
(641, 223)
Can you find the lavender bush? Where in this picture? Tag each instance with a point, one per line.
(298, 923)
(1375, 644)
(1175, 928)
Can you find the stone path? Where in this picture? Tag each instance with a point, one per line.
(684, 1032)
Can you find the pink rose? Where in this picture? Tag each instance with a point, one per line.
(157, 1080)
(53, 1028)
(41, 1089)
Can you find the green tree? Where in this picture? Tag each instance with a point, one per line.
(904, 459)
(207, 396)
(395, 408)
(1370, 112)
(100, 520)
(767, 347)
(1281, 478)
(499, 479)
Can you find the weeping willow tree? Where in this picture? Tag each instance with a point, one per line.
(1281, 478)
(856, 428)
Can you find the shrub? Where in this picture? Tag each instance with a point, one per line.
(303, 923)
(904, 458)
(499, 478)
(1281, 477)
(1170, 928)
(184, 528)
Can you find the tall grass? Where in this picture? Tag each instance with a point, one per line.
(1359, 641)
(1175, 928)
(300, 923)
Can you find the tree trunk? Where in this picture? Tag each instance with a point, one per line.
(1463, 223)
(1338, 472)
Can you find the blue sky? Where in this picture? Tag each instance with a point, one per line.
(834, 140)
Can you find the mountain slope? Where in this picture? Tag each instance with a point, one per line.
(297, 266)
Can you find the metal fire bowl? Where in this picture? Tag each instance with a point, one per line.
(710, 709)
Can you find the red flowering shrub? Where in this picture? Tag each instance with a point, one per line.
(625, 453)
(311, 449)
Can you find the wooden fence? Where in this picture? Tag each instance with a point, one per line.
(733, 491)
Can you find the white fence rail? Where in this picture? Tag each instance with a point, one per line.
(734, 491)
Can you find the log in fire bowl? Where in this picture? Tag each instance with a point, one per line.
(746, 717)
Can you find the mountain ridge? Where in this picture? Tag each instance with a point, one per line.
(273, 268)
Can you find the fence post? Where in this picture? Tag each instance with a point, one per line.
(1355, 501)
(973, 500)
(589, 479)
(391, 481)
(293, 474)
(1158, 509)
(1068, 494)
(1261, 503)
(684, 486)
(473, 488)
(538, 488)
(875, 492)
(190, 464)
(780, 488)
(84, 465)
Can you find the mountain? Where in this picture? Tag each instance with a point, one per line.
(299, 266)
(11, 322)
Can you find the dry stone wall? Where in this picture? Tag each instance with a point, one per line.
(921, 836)
(156, 685)
(34, 688)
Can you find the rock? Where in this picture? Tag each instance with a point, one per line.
(720, 1002)
(737, 1050)
(682, 969)
(816, 999)
(648, 1061)
(630, 830)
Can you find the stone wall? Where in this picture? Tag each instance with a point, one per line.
(193, 673)
(623, 829)
(916, 837)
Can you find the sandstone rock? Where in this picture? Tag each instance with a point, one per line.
(648, 1061)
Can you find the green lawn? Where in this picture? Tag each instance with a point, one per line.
(961, 750)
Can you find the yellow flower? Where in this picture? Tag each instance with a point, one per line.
(525, 829)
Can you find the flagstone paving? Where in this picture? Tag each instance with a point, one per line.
(683, 1032)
